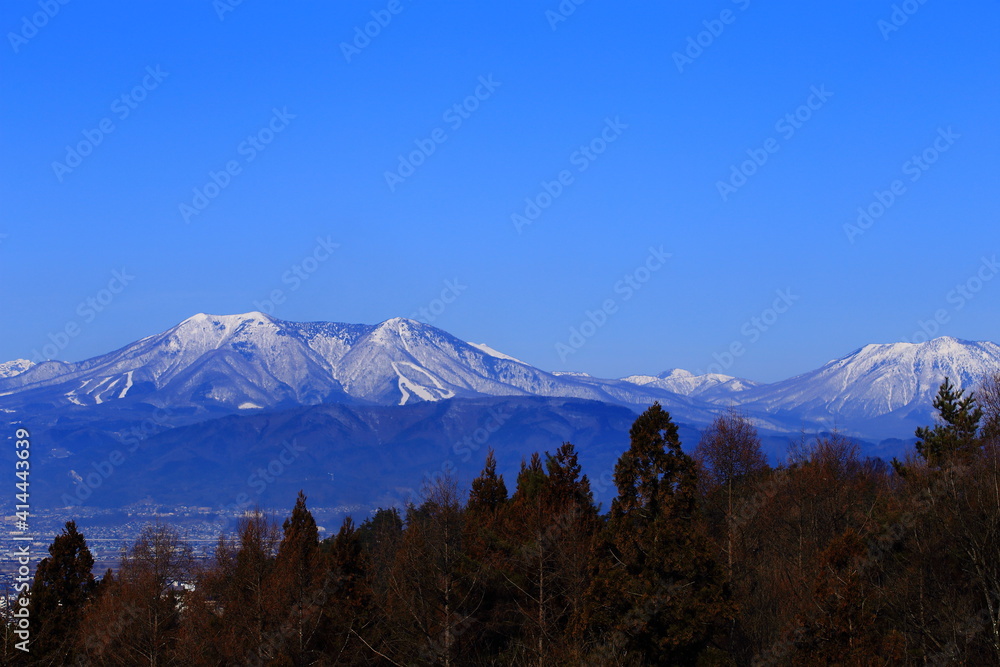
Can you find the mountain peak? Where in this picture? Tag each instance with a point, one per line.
(212, 330)
(15, 367)
(684, 382)
(949, 342)
(879, 379)
(252, 316)
(393, 329)
(934, 346)
(675, 373)
(213, 363)
(396, 322)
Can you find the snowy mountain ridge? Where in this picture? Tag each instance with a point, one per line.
(879, 380)
(255, 361)
(234, 363)
(684, 382)
(15, 367)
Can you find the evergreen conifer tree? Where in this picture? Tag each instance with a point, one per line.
(958, 434)
(662, 578)
(63, 584)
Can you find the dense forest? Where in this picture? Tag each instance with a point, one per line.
(704, 557)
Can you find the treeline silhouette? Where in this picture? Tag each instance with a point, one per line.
(712, 558)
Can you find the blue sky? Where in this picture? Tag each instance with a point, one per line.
(642, 110)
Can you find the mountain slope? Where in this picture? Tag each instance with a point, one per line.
(875, 388)
(339, 454)
(252, 361)
(707, 386)
(15, 367)
(194, 414)
(208, 366)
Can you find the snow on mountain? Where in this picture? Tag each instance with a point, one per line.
(874, 381)
(252, 360)
(495, 353)
(15, 367)
(708, 386)
(232, 363)
(401, 360)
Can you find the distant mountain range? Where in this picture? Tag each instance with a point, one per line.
(252, 361)
(236, 375)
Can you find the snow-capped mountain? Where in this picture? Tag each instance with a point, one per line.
(249, 361)
(15, 367)
(210, 365)
(707, 386)
(202, 405)
(870, 390)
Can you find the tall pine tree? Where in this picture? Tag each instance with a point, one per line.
(488, 492)
(296, 576)
(63, 585)
(957, 436)
(664, 588)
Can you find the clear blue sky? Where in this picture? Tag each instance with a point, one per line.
(556, 86)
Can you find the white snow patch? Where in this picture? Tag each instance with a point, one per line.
(9, 369)
(128, 384)
(97, 391)
(640, 379)
(408, 387)
(483, 347)
(445, 393)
